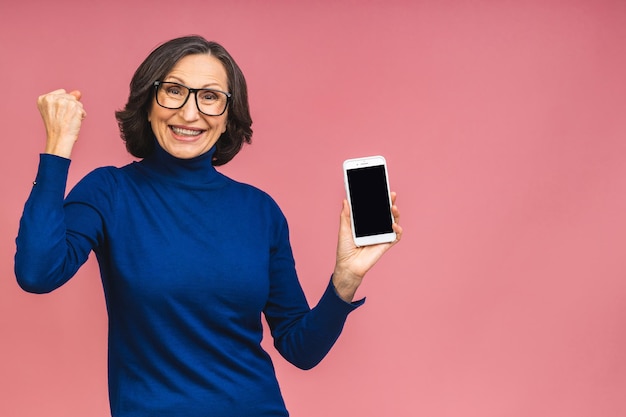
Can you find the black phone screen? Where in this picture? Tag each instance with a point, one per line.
(369, 200)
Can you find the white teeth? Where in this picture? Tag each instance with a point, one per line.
(186, 132)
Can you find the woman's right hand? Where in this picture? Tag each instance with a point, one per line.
(62, 115)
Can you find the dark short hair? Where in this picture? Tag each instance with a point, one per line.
(135, 129)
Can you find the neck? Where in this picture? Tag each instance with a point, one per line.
(197, 170)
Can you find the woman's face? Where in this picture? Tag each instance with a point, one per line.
(186, 133)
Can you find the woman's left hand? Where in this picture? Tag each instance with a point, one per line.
(353, 261)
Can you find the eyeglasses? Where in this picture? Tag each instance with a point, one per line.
(174, 96)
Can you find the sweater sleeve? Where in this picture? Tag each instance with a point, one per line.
(303, 336)
(48, 252)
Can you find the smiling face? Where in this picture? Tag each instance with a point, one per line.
(186, 133)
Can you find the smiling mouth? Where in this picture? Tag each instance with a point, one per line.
(179, 131)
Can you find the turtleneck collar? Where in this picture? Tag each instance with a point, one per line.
(193, 171)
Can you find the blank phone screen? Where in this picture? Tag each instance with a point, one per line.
(369, 200)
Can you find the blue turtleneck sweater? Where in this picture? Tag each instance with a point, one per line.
(189, 261)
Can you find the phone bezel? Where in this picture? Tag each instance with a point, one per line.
(365, 162)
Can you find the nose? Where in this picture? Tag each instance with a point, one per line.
(190, 110)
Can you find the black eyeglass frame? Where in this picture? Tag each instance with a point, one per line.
(193, 91)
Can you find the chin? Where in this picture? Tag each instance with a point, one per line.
(185, 150)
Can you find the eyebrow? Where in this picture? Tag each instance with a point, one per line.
(175, 79)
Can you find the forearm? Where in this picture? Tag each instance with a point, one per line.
(310, 338)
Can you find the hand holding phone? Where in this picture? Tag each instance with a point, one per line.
(367, 189)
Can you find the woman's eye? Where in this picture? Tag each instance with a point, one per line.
(175, 91)
(209, 96)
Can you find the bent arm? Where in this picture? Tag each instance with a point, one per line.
(307, 339)
(47, 255)
(302, 335)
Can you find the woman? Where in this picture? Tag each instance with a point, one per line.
(189, 258)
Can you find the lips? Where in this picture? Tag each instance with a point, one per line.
(186, 131)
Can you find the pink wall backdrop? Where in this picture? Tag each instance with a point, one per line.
(504, 125)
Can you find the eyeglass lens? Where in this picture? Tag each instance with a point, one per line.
(174, 96)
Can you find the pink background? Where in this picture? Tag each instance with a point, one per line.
(504, 126)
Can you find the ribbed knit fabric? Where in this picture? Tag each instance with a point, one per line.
(189, 260)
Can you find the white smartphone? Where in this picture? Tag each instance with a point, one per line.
(367, 189)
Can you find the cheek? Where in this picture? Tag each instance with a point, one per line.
(217, 125)
(156, 119)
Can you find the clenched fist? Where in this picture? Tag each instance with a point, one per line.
(62, 115)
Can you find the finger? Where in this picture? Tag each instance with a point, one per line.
(59, 94)
(398, 229)
(396, 218)
(46, 96)
(59, 91)
(80, 107)
(396, 213)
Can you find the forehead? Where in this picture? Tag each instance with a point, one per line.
(199, 70)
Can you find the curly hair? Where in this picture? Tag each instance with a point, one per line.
(135, 129)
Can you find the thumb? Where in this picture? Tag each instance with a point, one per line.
(345, 210)
(344, 218)
(76, 94)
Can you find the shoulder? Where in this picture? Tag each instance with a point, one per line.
(252, 192)
(111, 174)
(102, 175)
(256, 199)
(101, 183)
